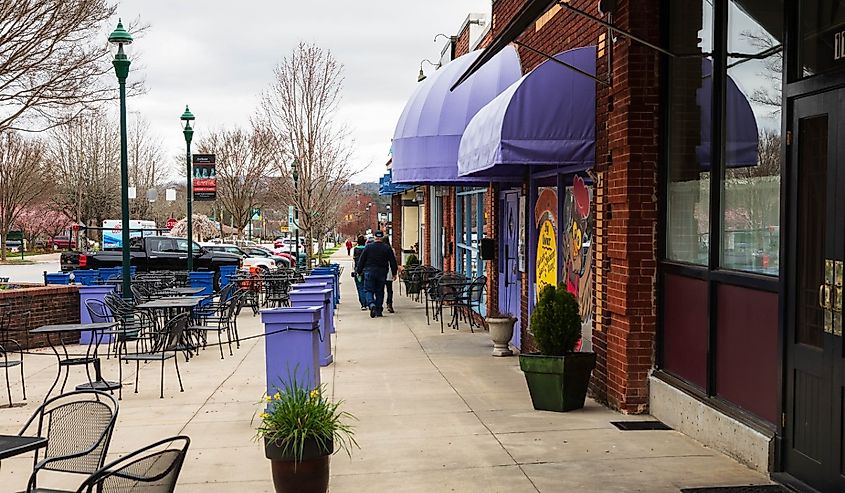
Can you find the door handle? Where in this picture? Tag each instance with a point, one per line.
(824, 296)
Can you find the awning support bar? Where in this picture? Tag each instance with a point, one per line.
(615, 29)
(561, 62)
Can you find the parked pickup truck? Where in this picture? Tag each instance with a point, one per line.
(151, 253)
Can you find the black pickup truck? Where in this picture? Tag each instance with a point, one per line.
(151, 253)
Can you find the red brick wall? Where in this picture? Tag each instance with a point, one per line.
(626, 331)
(396, 239)
(449, 223)
(491, 230)
(47, 305)
(426, 240)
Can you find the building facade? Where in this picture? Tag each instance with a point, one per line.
(694, 207)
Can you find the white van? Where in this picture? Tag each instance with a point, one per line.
(113, 233)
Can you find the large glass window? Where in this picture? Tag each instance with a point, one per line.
(470, 228)
(821, 35)
(689, 160)
(751, 188)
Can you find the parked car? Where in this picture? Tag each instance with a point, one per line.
(61, 243)
(258, 251)
(248, 260)
(153, 253)
(14, 246)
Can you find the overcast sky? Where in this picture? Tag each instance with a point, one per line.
(217, 55)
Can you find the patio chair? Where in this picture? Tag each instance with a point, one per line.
(151, 469)
(470, 301)
(168, 343)
(11, 347)
(450, 290)
(136, 326)
(221, 320)
(78, 427)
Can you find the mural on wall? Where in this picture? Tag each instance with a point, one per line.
(577, 261)
(545, 217)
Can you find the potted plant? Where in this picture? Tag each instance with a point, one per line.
(301, 428)
(412, 279)
(557, 376)
(500, 326)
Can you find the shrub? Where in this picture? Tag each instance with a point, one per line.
(412, 260)
(556, 321)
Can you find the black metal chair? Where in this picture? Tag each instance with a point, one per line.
(151, 469)
(11, 347)
(167, 344)
(78, 427)
(469, 303)
(220, 320)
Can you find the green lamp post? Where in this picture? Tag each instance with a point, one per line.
(187, 117)
(295, 173)
(120, 40)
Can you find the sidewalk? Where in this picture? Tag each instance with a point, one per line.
(438, 413)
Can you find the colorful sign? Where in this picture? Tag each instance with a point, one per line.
(205, 177)
(171, 222)
(546, 255)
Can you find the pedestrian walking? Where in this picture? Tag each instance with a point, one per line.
(375, 262)
(359, 281)
(388, 285)
(348, 246)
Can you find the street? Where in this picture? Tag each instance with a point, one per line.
(33, 272)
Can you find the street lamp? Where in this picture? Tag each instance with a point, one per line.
(295, 173)
(120, 40)
(187, 117)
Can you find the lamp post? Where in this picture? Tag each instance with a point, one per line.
(187, 117)
(295, 173)
(120, 40)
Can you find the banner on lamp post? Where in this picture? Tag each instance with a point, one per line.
(292, 226)
(205, 177)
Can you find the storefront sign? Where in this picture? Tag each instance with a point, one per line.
(546, 255)
(205, 177)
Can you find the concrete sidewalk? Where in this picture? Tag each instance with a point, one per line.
(436, 413)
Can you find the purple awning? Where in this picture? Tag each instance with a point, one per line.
(428, 134)
(741, 130)
(547, 118)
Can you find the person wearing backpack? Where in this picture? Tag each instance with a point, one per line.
(359, 280)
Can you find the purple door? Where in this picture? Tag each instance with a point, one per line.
(509, 276)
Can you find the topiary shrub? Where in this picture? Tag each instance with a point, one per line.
(412, 260)
(556, 321)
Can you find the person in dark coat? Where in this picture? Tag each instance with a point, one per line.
(359, 282)
(375, 262)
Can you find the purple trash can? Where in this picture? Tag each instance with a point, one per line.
(94, 292)
(321, 298)
(294, 352)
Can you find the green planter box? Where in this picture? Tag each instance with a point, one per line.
(557, 383)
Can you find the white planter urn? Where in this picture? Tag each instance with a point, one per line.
(501, 331)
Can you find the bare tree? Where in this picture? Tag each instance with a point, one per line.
(85, 155)
(243, 158)
(300, 109)
(54, 64)
(23, 179)
(146, 167)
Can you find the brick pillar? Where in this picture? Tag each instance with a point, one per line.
(624, 334)
(491, 230)
(396, 237)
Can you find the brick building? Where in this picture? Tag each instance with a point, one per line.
(712, 127)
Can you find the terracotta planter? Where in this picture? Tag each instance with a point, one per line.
(310, 475)
(501, 331)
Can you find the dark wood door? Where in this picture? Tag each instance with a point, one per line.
(815, 396)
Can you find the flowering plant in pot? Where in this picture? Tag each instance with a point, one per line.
(500, 326)
(557, 375)
(301, 428)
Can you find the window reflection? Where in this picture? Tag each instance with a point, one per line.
(751, 189)
(689, 103)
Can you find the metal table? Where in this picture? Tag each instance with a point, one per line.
(179, 292)
(12, 445)
(65, 360)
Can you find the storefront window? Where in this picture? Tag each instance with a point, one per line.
(470, 227)
(689, 142)
(751, 188)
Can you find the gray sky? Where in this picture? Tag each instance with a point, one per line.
(218, 55)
